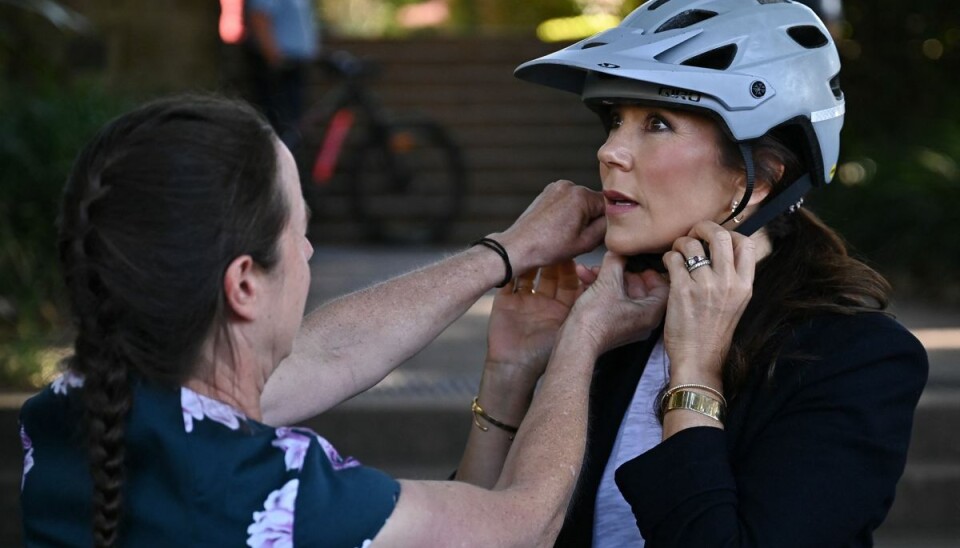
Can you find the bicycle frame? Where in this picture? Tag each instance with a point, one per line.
(338, 111)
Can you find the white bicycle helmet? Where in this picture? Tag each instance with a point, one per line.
(754, 64)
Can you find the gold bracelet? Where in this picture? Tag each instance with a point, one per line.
(479, 413)
(695, 401)
(704, 387)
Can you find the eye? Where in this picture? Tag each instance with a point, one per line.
(656, 122)
(614, 121)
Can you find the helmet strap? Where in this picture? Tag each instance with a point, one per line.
(789, 199)
(747, 151)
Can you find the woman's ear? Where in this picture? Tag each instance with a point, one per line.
(241, 289)
(769, 172)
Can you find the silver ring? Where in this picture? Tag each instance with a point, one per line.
(698, 264)
(695, 259)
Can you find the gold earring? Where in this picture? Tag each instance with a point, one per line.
(733, 208)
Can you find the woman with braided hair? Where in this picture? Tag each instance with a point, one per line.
(182, 240)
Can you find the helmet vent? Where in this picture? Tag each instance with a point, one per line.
(717, 59)
(685, 19)
(593, 45)
(835, 87)
(808, 36)
(773, 1)
(656, 4)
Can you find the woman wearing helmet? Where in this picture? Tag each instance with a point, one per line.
(774, 405)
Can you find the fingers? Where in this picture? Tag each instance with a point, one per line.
(526, 282)
(720, 242)
(564, 221)
(587, 274)
(559, 281)
(656, 284)
(568, 283)
(674, 261)
(611, 268)
(597, 227)
(745, 257)
(729, 253)
(547, 284)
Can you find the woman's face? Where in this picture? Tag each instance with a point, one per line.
(291, 277)
(661, 174)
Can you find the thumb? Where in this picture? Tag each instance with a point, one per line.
(612, 266)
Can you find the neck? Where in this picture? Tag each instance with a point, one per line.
(233, 376)
(647, 261)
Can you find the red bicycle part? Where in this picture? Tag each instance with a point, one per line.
(337, 130)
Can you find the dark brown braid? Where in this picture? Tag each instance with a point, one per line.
(155, 209)
(106, 392)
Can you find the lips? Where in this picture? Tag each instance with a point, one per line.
(614, 197)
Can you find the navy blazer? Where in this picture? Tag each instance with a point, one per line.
(809, 455)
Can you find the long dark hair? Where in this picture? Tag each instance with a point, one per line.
(809, 272)
(156, 207)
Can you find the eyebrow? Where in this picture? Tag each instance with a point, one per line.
(307, 212)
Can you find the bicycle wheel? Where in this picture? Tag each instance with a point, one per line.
(408, 183)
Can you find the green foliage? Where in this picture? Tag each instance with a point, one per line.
(901, 70)
(41, 131)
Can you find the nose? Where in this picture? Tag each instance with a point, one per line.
(615, 153)
(308, 249)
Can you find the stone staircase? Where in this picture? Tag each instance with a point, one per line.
(928, 495)
(515, 137)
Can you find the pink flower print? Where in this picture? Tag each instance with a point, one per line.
(338, 462)
(67, 380)
(273, 528)
(295, 446)
(197, 407)
(27, 455)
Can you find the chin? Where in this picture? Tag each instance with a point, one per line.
(629, 244)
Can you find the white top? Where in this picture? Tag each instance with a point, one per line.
(614, 525)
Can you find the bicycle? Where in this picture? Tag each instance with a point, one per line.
(406, 177)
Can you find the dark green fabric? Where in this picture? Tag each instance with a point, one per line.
(200, 487)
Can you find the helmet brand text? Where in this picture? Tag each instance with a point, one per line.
(683, 94)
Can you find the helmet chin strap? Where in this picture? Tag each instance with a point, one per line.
(790, 198)
(747, 151)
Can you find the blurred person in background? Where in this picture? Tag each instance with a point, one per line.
(283, 39)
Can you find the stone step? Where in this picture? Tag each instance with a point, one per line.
(935, 441)
(426, 438)
(423, 437)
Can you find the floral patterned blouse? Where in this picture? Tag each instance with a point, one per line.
(198, 473)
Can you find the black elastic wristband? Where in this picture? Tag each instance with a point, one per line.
(495, 245)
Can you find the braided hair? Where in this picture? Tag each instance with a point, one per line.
(156, 207)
